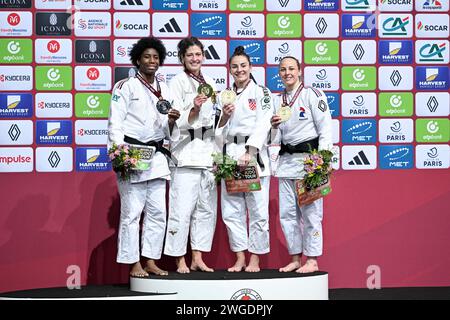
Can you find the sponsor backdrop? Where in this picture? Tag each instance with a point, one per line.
(383, 65)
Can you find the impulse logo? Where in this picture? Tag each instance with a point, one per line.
(54, 132)
(208, 26)
(359, 131)
(432, 78)
(321, 5)
(396, 157)
(92, 159)
(16, 105)
(356, 26)
(254, 48)
(395, 52)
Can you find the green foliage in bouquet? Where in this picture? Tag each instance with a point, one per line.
(123, 159)
(318, 168)
(223, 166)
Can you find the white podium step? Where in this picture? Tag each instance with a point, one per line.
(223, 285)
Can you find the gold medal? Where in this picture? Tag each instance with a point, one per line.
(206, 89)
(284, 112)
(227, 97)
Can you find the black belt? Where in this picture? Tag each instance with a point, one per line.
(302, 147)
(200, 132)
(244, 139)
(157, 144)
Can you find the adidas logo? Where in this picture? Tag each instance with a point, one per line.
(359, 160)
(211, 53)
(171, 26)
(131, 3)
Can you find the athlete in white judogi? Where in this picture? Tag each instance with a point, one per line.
(134, 119)
(244, 126)
(310, 123)
(193, 191)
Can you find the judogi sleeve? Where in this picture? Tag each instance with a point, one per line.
(264, 111)
(275, 134)
(175, 131)
(322, 117)
(118, 111)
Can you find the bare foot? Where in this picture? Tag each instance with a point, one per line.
(181, 265)
(137, 271)
(253, 265)
(200, 266)
(153, 268)
(309, 266)
(294, 265)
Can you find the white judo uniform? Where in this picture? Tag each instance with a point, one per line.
(311, 118)
(133, 113)
(193, 191)
(250, 118)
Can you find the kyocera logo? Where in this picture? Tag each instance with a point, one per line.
(15, 159)
(53, 46)
(360, 128)
(93, 73)
(397, 154)
(209, 22)
(92, 132)
(13, 19)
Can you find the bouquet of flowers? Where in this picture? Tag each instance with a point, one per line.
(316, 183)
(223, 166)
(124, 159)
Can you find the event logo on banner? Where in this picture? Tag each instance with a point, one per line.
(358, 52)
(166, 73)
(284, 5)
(53, 4)
(122, 48)
(359, 104)
(433, 156)
(358, 26)
(92, 105)
(431, 5)
(92, 24)
(395, 78)
(277, 49)
(321, 52)
(324, 25)
(54, 159)
(92, 159)
(359, 78)
(359, 157)
(93, 78)
(172, 51)
(246, 5)
(432, 26)
(16, 51)
(215, 51)
(395, 104)
(432, 104)
(254, 48)
(181, 5)
(395, 51)
(16, 24)
(15, 4)
(334, 104)
(93, 4)
(131, 24)
(51, 78)
(432, 78)
(53, 24)
(432, 51)
(16, 132)
(324, 78)
(285, 25)
(324, 5)
(54, 105)
(92, 51)
(209, 5)
(16, 159)
(244, 25)
(56, 50)
(432, 130)
(273, 80)
(53, 132)
(395, 5)
(170, 25)
(396, 130)
(396, 157)
(18, 78)
(358, 5)
(91, 132)
(16, 105)
(208, 25)
(359, 131)
(142, 5)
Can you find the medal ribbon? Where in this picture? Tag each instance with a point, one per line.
(199, 78)
(235, 87)
(157, 93)
(294, 98)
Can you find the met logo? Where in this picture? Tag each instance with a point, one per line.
(92, 159)
(254, 48)
(396, 157)
(359, 131)
(206, 25)
(334, 104)
(273, 80)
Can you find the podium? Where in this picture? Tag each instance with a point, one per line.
(224, 285)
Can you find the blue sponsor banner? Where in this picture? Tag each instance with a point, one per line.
(432, 78)
(334, 103)
(273, 80)
(209, 25)
(359, 131)
(358, 26)
(396, 157)
(16, 105)
(170, 4)
(54, 132)
(323, 5)
(395, 51)
(254, 48)
(92, 159)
